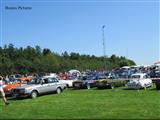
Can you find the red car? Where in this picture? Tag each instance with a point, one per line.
(20, 82)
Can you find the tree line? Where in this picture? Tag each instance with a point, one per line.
(37, 60)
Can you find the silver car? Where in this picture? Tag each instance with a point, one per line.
(39, 86)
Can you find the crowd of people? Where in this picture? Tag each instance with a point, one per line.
(126, 72)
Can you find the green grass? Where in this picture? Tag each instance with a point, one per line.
(88, 104)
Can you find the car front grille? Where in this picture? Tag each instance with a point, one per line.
(16, 91)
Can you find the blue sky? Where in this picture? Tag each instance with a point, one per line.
(132, 27)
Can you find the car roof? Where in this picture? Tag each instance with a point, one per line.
(139, 74)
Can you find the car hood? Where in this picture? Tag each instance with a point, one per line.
(11, 86)
(133, 81)
(27, 86)
(84, 81)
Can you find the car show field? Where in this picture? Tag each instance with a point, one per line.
(79, 59)
(117, 103)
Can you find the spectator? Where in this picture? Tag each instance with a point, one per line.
(2, 92)
(6, 79)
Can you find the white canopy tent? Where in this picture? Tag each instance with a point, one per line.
(74, 72)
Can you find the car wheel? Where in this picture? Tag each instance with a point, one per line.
(34, 94)
(67, 86)
(88, 86)
(58, 91)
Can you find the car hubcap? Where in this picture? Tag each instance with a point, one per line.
(58, 90)
(34, 95)
(88, 86)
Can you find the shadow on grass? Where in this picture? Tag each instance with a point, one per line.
(28, 97)
(82, 88)
(21, 98)
(103, 88)
(132, 89)
(154, 89)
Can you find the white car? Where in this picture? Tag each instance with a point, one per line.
(139, 80)
(69, 83)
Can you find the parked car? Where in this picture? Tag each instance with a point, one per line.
(157, 82)
(40, 86)
(139, 80)
(86, 82)
(101, 84)
(19, 82)
(16, 76)
(69, 83)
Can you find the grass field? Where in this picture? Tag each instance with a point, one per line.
(118, 103)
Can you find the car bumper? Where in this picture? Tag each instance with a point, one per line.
(17, 95)
(134, 86)
(84, 85)
(78, 85)
(103, 86)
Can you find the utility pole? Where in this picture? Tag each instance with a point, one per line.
(1, 16)
(104, 47)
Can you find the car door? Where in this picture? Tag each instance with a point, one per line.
(52, 84)
(45, 87)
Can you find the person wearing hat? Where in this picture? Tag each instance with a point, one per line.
(2, 92)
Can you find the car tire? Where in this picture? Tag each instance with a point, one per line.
(58, 91)
(88, 86)
(67, 86)
(145, 85)
(34, 94)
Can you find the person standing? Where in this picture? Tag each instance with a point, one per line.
(2, 92)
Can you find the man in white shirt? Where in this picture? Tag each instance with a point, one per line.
(2, 92)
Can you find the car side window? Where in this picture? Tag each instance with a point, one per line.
(55, 80)
(145, 76)
(45, 81)
(50, 80)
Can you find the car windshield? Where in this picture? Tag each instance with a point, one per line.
(18, 76)
(21, 81)
(132, 81)
(35, 81)
(136, 76)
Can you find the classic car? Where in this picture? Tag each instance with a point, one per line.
(39, 86)
(69, 83)
(139, 80)
(86, 82)
(157, 84)
(101, 84)
(19, 82)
